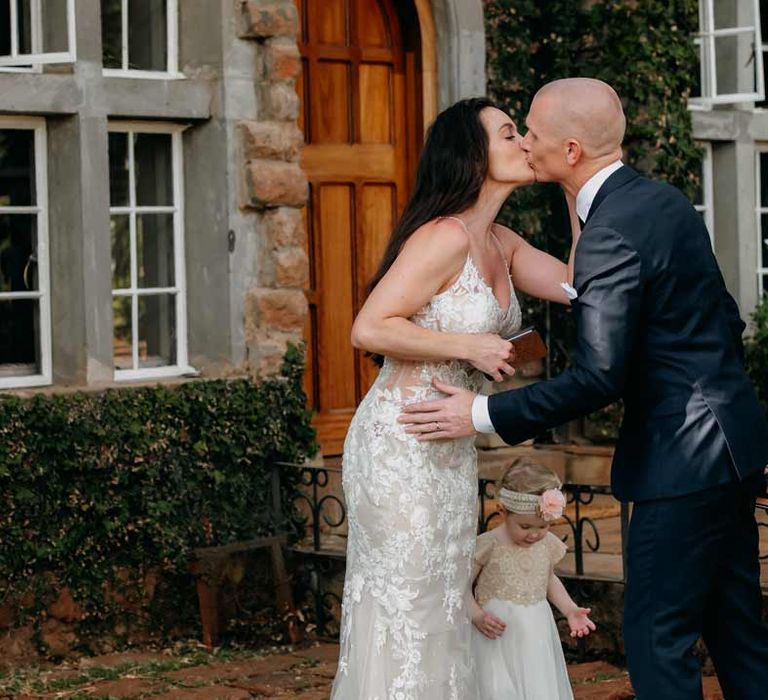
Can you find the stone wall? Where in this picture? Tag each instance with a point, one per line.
(274, 187)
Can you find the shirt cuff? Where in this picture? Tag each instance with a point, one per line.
(481, 417)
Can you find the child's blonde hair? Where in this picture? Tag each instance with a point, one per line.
(525, 475)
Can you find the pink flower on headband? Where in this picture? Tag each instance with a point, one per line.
(552, 504)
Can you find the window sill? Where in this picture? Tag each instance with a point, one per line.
(137, 375)
(24, 381)
(141, 74)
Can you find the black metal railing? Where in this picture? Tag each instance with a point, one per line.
(762, 521)
(317, 507)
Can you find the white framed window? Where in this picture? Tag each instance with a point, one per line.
(703, 200)
(147, 237)
(25, 311)
(36, 32)
(764, 39)
(140, 38)
(730, 50)
(761, 180)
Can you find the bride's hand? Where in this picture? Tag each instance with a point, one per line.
(491, 354)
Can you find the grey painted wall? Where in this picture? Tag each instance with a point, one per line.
(735, 134)
(460, 32)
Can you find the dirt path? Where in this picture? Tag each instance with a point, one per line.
(304, 674)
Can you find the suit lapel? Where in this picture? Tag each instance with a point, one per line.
(618, 179)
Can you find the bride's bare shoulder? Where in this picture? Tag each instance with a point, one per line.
(444, 239)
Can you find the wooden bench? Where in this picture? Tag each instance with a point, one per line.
(209, 565)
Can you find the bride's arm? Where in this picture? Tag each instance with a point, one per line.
(429, 263)
(537, 273)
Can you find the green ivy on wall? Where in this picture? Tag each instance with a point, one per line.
(756, 350)
(644, 48)
(96, 485)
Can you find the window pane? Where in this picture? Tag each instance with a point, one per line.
(53, 25)
(154, 246)
(19, 334)
(147, 35)
(764, 179)
(697, 87)
(764, 21)
(154, 177)
(17, 167)
(121, 252)
(157, 330)
(5, 28)
(764, 240)
(18, 245)
(730, 13)
(118, 170)
(25, 26)
(698, 195)
(121, 339)
(730, 63)
(112, 33)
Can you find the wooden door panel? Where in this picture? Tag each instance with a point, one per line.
(375, 103)
(329, 22)
(374, 31)
(378, 210)
(355, 93)
(334, 205)
(378, 206)
(347, 162)
(331, 90)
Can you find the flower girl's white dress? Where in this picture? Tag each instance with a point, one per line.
(526, 662)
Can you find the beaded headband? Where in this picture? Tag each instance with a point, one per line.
(548, 506)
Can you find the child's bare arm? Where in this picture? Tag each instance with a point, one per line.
(578, 618)
(487, 624)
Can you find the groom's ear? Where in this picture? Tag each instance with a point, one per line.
(573, 152)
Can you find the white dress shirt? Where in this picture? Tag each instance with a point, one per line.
(481, 417)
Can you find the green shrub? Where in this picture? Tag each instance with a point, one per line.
(645, 50)
(756, 348)
(96, 484)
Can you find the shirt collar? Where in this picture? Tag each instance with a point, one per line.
(591, 187)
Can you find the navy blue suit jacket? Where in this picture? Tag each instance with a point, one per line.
(656, 327)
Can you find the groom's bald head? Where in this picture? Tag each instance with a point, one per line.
(575, 127)
(584, 109)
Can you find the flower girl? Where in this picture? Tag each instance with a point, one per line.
(516, 643)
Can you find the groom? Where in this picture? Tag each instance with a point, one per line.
(656, 327)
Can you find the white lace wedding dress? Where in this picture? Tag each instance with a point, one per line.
(412, 508)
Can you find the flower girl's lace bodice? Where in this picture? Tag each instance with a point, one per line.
(412, 510)
(515, 574)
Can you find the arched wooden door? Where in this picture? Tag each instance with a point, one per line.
(361, 117)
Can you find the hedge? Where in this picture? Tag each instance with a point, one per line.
(93, 485)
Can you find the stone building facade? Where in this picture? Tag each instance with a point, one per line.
(185, 191)
(153, 192)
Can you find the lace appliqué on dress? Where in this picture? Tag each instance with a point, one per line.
(412, 508)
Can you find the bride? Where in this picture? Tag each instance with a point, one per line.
(439, 308)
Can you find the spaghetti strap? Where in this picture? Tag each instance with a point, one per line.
(456, 218)
(499, 248)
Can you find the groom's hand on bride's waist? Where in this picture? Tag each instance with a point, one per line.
(441, 419)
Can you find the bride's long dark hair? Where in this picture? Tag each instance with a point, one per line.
(452, 168)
